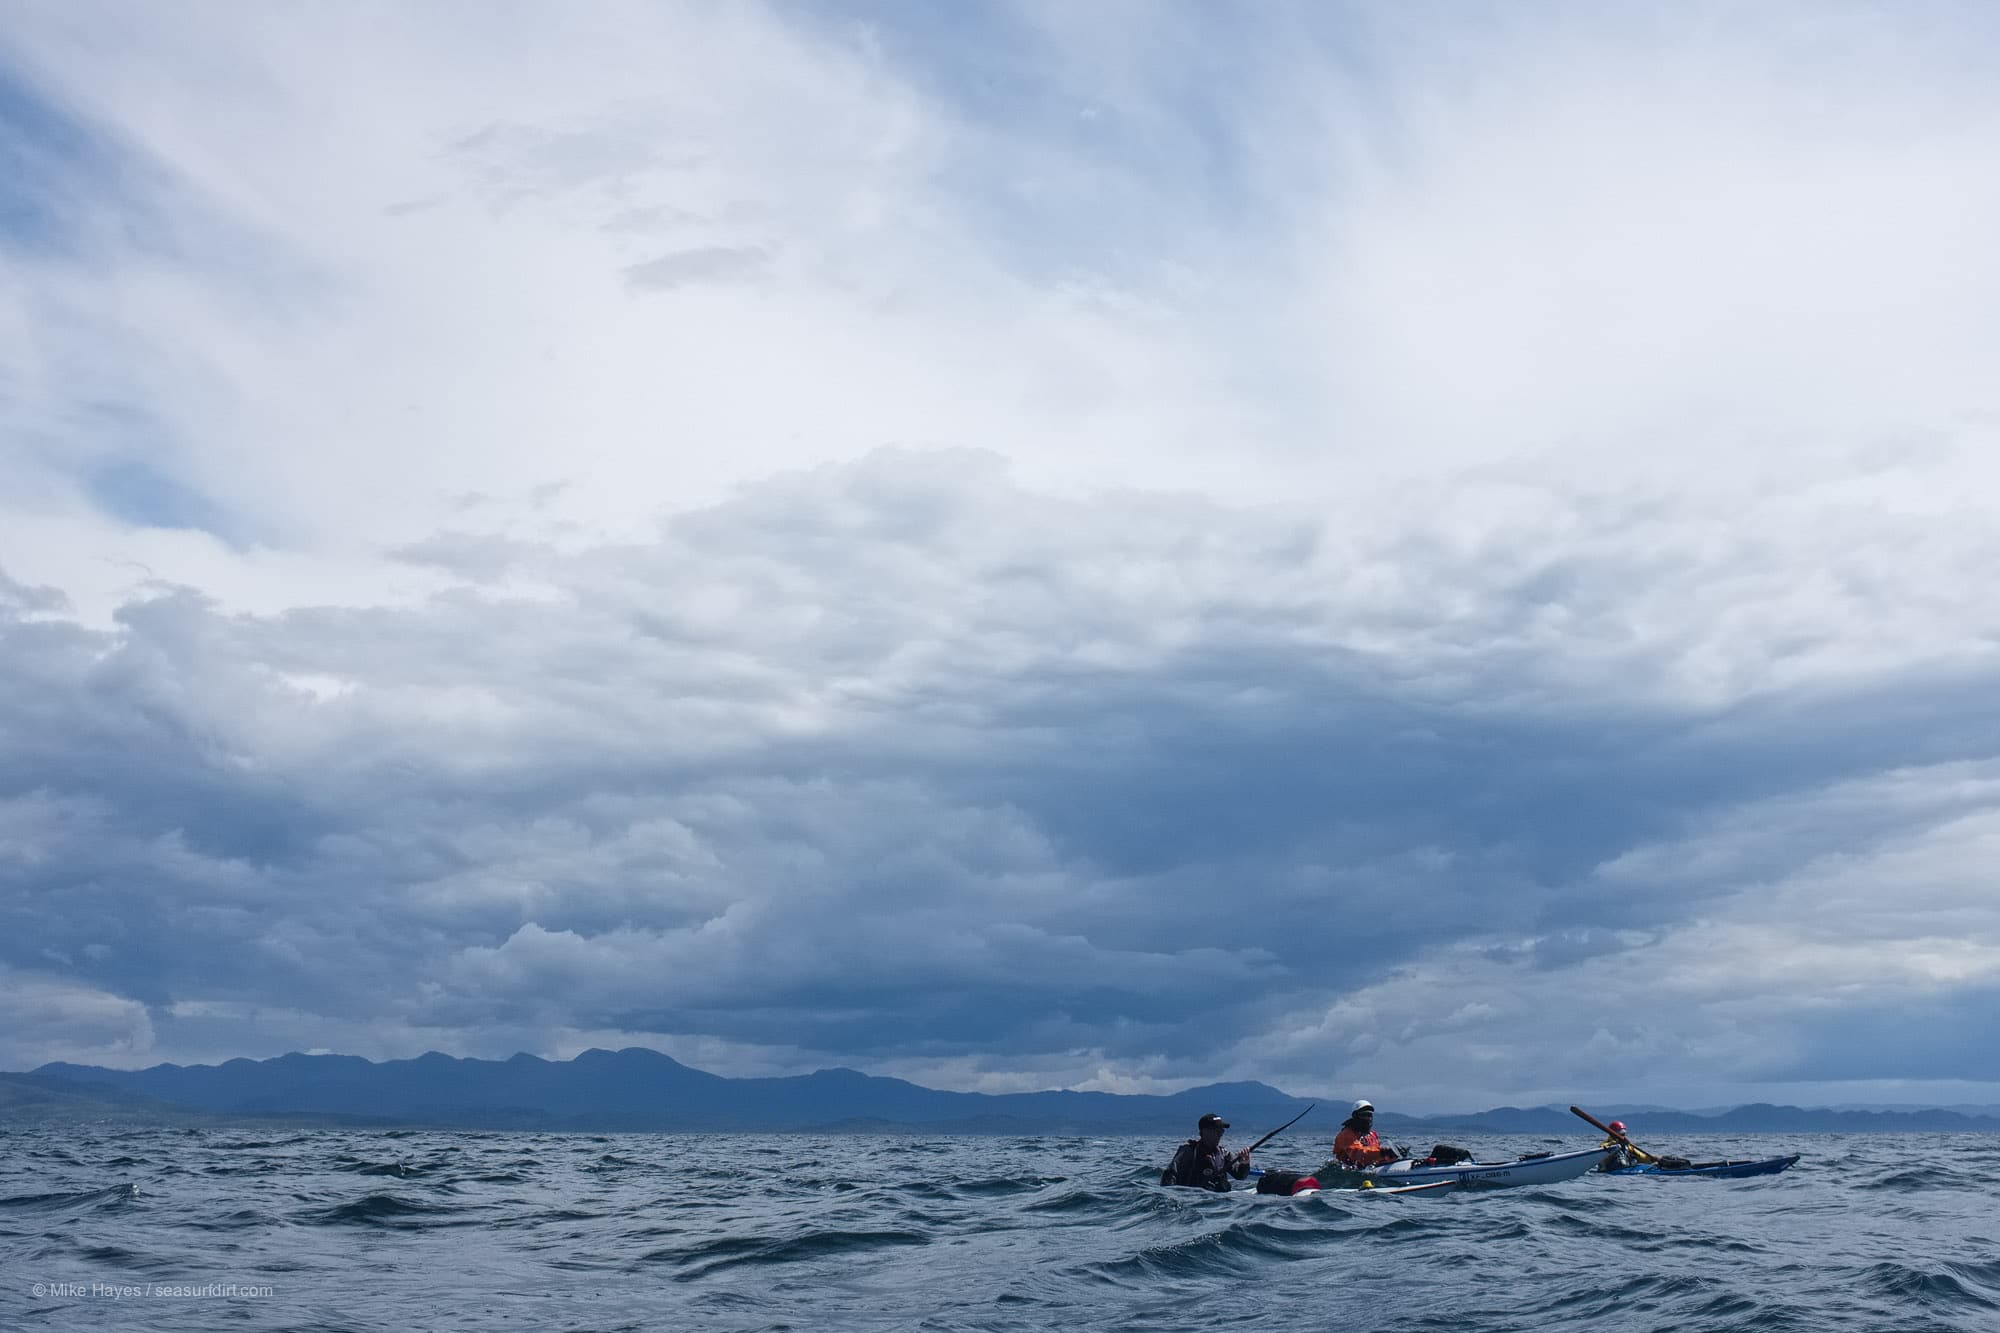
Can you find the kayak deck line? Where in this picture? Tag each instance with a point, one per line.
(1532, 1169)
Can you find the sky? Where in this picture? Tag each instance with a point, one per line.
(1437, 552)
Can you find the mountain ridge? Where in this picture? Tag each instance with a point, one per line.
(640, 1089)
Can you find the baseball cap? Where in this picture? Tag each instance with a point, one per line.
(1212, 1119)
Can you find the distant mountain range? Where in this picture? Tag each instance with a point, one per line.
(638, 1089)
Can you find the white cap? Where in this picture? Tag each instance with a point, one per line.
(1364, 1106)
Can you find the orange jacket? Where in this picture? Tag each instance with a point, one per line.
(1351, 1149)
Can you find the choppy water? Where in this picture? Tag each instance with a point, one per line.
(364, 1231)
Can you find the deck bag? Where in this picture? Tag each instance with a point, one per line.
(1278, 1182)
(1445, 1154)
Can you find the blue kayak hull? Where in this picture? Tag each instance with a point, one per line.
(1763, 1166)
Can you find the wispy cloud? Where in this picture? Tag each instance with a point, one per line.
(713, 263)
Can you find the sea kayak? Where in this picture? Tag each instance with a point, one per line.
(1534, 1169)
(1762, 1166)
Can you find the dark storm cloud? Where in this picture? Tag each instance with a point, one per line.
(856, 767)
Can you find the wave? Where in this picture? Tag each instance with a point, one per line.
(1904, 1180)
(742, 1232)
(242, 1144)
(382, 1169)
(1234, 1251)
(612, 1161)
(1079, 1200)
(111, 1194)
(383, 1210)
(999, 1187)
(241, 1219)
(1926, 1287)
(716, 1255)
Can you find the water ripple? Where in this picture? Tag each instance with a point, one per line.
(419, 1228)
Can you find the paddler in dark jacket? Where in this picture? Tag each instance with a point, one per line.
(1201, 1162)
(1356, 1146)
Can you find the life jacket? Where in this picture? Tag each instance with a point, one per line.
(1351, 1149)
(1209, 1171)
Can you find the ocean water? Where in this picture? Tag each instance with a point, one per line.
(337, 1230)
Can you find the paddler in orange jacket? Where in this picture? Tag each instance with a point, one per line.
(1356, 1146)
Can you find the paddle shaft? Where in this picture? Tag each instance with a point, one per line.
(1637, 1151)
(1279, 1130)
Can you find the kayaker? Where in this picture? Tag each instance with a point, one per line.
(1356, 1146)
(1615, 1144)
(1202, 1163)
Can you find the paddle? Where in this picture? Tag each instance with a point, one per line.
(1637, 1151)
(1279, 1130)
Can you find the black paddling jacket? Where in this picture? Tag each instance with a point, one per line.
(1209, 1171)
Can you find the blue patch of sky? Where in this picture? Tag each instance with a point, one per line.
(128, 475)
(73, 190)
(134, 491)
(1139, 184)
(69, 189)
(43, 153)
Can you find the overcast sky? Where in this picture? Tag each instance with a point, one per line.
(1436, 552)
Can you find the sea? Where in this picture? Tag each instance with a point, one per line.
(325, 1230)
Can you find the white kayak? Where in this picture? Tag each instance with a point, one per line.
(1536, 1169)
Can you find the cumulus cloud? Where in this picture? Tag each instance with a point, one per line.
(897, 761)
(806, 539)
(51, 1019)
